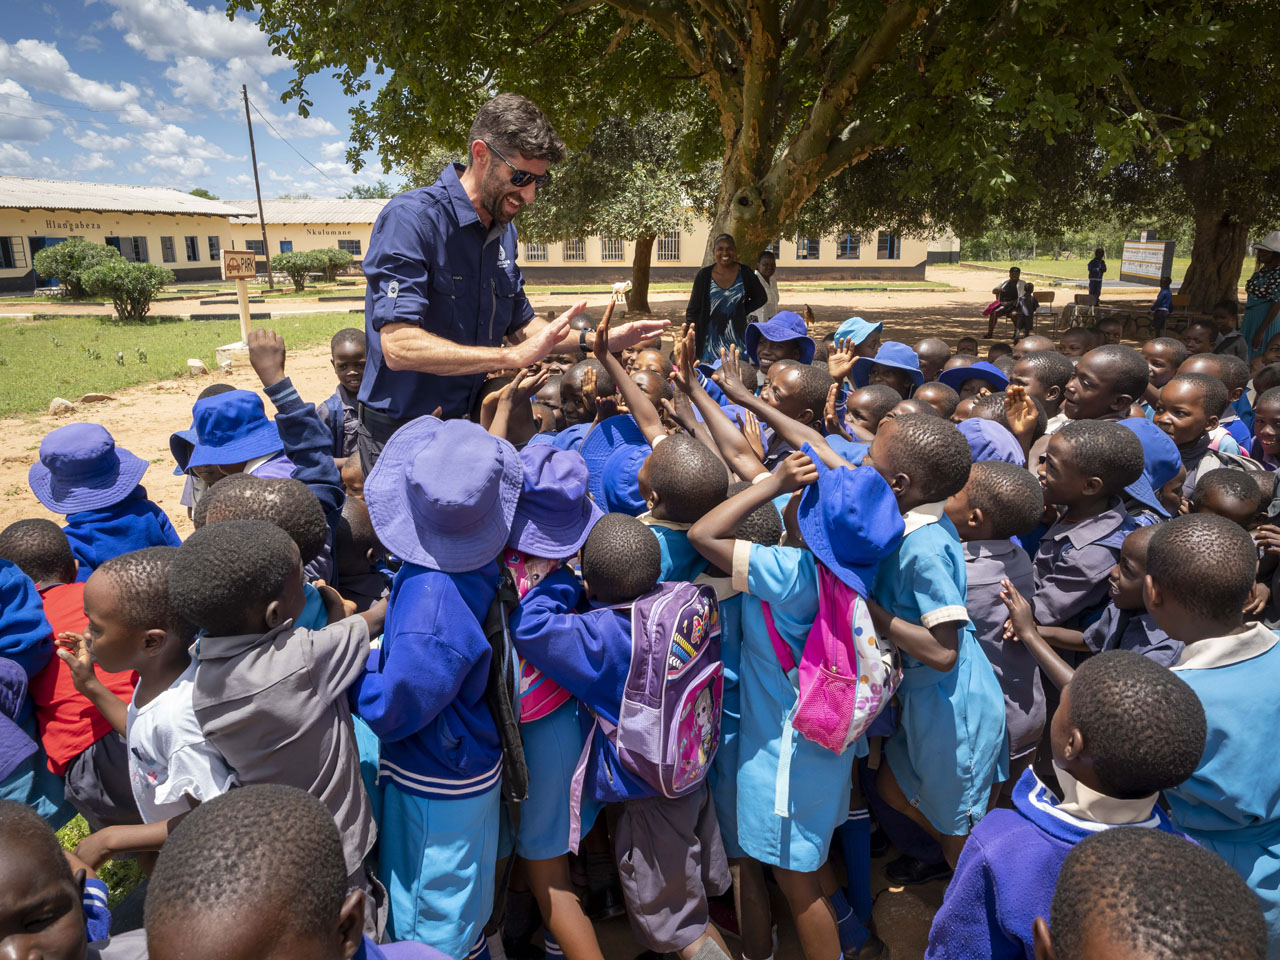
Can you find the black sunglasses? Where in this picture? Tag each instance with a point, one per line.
(520, 178)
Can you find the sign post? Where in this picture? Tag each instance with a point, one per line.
(238, 265)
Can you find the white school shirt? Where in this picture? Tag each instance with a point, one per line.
(770, 307)
(169, 758)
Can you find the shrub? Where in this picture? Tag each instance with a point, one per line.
(70, 260)
(297, 264)
(334, 260)
(131, 286)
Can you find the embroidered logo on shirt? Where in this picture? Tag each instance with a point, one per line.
(393, 289)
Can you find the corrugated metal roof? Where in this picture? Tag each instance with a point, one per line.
(35, 193)
(310, 211)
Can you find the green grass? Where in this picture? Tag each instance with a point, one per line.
(1077, 269)
(120, 878)
(69, 356)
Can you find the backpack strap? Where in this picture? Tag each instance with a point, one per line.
(782, 777)
(576, 784)
(780, 649)
(333, 421)
(501, 695)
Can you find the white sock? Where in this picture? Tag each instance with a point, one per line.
(496, 951)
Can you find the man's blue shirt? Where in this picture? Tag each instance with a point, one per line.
(433, 264)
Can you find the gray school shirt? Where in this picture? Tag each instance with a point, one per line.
(275, 706)
(986, 563)
(1134, 630)
(1072, 564)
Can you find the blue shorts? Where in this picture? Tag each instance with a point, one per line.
(552, 746)
(33, 785)
(370, 750)
(437, 861)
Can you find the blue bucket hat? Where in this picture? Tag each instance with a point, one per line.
(554, 513)
(81, 468)
(614, 452)
(1160, 463)
(229, 427)
(988, 440)
(850, 520)
(891, 354)
(780, 328)
(956, 376)
(857, 330)
(443, 494)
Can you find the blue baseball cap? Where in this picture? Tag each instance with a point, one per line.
(956, 376)
(988, 440)
(781, 328)
(1160, 463)
(614, 453)
(81, 468)
(891, 354)
(857, 330)
(850, 520)
(228, 428)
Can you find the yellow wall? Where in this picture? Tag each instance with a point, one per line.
(19, 226)
(304, 236)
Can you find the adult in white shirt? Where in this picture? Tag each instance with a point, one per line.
(766, 264)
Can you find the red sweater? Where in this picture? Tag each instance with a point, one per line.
(68, 722)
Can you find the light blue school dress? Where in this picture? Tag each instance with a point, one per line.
(723, 776)
(552, 745)
(813, 792)
(950, 747)
(1231, 804)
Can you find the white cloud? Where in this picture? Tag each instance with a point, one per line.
(199, 82)
(97, 140)
(86, 163)
(172, 141)
(39, 64)
(171, 29)
(34, 126)
(183, 167)
(332, 151)
(17, 162)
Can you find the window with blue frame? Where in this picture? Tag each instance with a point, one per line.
(849, 247)
(888, 246)
(286, 246)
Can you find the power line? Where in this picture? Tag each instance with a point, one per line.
(114, 123)
(76, 106)
(291, 146)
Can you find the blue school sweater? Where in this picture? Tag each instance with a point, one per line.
(1008, 871)
(589, 654)
(25, 635)
(423, 694)
(134, 523)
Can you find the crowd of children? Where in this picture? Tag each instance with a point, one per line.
(648, 634)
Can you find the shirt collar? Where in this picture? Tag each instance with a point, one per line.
(463, 209)
(220, 648)
(257, 462)
(1085, 803)
(1224, 651)
(976, 549)
(648, 519)
(1088, 531)
(922, 516)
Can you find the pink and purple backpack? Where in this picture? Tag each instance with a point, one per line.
(669, 721)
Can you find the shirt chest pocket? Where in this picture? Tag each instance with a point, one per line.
(503, 290)
(445, 312)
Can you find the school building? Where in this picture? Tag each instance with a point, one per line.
(298, 225)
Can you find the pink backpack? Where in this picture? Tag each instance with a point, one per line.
(539, 694)
(846, 675)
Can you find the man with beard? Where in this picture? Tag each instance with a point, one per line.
(445, 304)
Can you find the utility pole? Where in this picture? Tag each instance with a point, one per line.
(253, 156)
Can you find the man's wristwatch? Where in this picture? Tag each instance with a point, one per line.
(582, 341)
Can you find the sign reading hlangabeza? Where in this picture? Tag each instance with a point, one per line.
(1146, 261)
(239, 265)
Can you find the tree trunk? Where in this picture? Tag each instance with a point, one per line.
(1217, 255)
(638, 295)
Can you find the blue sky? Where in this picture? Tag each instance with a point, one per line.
(148, 92)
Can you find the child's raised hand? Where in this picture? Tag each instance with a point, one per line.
(683, 375)
(1021, 617)
(73, 650)
(1020, 410)
(750, 427)
(832, 419)
(840, 360)
(526, 383)
(601, 345)
(266, 355)
(795, 473)
(680, 410)
(1258, 599)
(589, 391)
(730, 375)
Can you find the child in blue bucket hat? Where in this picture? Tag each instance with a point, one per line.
(862, 334)
(83, 474)
(895, 365)
(849, 521)
(553, 518)
(442, 498)
(784, 337)
(1156, 495)
(614, 452)
(974, 379)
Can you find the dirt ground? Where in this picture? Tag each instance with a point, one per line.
(142, 418)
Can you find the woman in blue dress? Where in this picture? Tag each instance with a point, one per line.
(1262, 308)
(724, 293)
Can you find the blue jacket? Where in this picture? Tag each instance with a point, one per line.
(1164, 300)
(134, 523)
(309, 446)
(433, 264)
(25, 635)
(423, 692)
(589, 654)
(1007, 874)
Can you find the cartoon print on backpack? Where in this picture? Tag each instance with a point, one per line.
(698, 730)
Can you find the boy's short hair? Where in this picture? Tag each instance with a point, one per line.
(820, 352)
(225, 569)
(605, 384)
(763, 525)
(1232, 371)
(883, 398)
(1235, 484)
(1106, 450)
(1077, 331)
(1009, 496)
(1001, 349)
(1207, 562)
(1160, 895)
(1204, 322)
(950, 399)
(355, 535)
(347, 335)
(933, 453)
(964, 340)
(1050, 368)
(812, 388)
(19, 823)
(260, 849)
(687, 477)
(284, 501)
(1143, 727)
(38, 548)
(1266, 481)
(1132, 372)
(1229, 305)
(1177, 348)
(621, 559)
(1212, 389)
(213, 390)
(141, 584)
